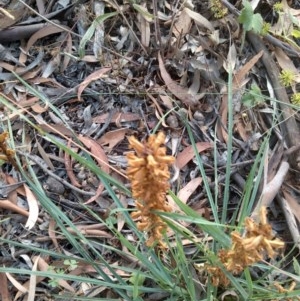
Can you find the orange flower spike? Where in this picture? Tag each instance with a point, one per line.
(148, 171)
(3, 137)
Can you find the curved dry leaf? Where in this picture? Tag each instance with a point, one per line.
(69, 168)
(221, 131)
(21, 289)
(199, 19)
(14, 12)
(117, 117)
(120, 215)
(6, 204)
(185, 193)
(52, 65)
(290, 215)
(33, 208)
(293, 203)
(94, 76)
(99, 154)
(113, 138)
(244, 70)
(45, 31)
(4, 290)
(33, 281)
(143, 23)
(11, 68)
(52, 234)
(271, 189)
(56, 128)
(99, 10)
(45, 156)
(180, 92)
(67, 49)
(284, 61)
(37, 108)
(188, 153)
(182, 25)
(145, 32)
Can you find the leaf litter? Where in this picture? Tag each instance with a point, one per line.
(108, 70)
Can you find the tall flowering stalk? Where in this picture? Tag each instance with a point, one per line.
(148, 171)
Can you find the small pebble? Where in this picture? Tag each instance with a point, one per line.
(54, 186)
(172, 121)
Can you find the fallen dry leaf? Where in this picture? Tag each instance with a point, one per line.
(99, 154)
(120, 215)
(4, 292)
(52, 234)
(180, 92)
(271, 189)
(33, 208)
(45, 156)
(284, 61)
(185, 192)
(69, 168)
(33, 281)
(112, 138)
(144, 26)
(117, 117)
(56, 128)
(21, 288)
(244, 70)
(188, 153)
(182, 25)
(45, 31)
(6, 204)
(290, 209)
(94, 76)
(199, 19)
(293, 203)
(221, 131)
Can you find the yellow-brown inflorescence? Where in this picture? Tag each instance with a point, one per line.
(257, 244)
(6, 154)
(148, 171)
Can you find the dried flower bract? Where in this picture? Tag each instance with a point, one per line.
(6, 153)
(257, 244)
(148, 171)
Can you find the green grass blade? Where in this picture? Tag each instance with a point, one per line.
(203, 175)
(91, 30)
(229, 148)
